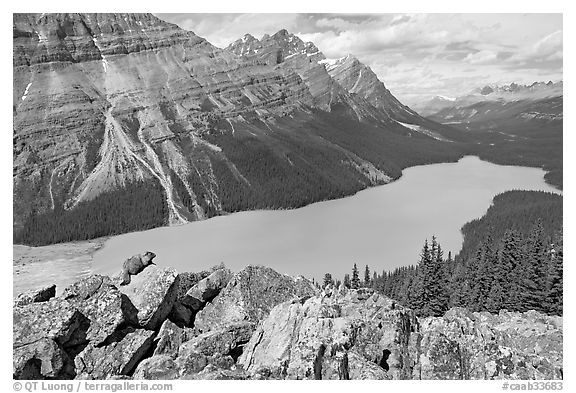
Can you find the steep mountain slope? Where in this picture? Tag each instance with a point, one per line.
(108, 103)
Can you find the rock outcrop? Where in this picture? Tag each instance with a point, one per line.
(103, 304)
(44, 338)
(206, 289)
(349, 335)
(153, 293)
(35, 296)
(509, 345)
(249, 296)
(265, 325)
(119, 357)
(333, 336)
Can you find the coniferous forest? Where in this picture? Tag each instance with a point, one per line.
(137, 206)
(511, 259)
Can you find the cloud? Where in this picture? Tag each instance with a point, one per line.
(481, 57)
(415, 55)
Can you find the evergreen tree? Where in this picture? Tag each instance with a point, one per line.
(367, 276)
(507, 270)
(418, 295)
(328, 280)
(555, 279)
(355, 277)
(480, 275)
(347, 283)
(533, 271)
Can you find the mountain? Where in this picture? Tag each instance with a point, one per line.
(539, 100)
(125, 122)
(512, 124)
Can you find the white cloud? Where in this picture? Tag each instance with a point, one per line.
(414, 54)
(481, 57)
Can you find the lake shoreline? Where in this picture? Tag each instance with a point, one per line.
(92, 253)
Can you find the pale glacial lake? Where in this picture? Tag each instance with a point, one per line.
(383, 227)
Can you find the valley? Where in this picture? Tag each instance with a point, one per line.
(332, 235)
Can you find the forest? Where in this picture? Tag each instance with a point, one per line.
(137, 206)
(512, 258)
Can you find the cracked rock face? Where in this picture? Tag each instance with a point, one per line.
(249, 296)
(153, 293)
(331, 337)
(119, 357)
(43, 333)
(206, 289)
(508, 345)
(35, 296)
(103, 304)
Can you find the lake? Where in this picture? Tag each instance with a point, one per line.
(382, 227)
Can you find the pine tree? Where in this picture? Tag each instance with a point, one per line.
(480, 275)
(555, 279)
(328, 280)
(347, 283)
(507, 271)
(367, 276)
(355, 277)
(434, 282)
(534, 271)
(418, 295)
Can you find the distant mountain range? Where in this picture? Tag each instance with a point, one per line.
(494, 98)
(512, 124)
(108, 103)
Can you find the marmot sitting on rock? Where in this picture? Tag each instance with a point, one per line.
(135, 265)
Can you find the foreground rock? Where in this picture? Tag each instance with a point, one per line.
(357, 335)
(249, 296)
(348, 335)
(508, 345)
(35, 296)
(119, 357)
(265, 325)
(206, 289)
(169, 339)
(153, 293)
(44, 338)
(97, 298)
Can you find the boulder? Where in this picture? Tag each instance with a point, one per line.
(169, 339)
(186, 281)
(190, 362)
(206, 289)
(508, 345)
(43, 335)
(157, 367)
(212, 372)
(222, 342)
(153, 293)
(340, 335)
(103, 304)
(119, 357)
(35, 296)
(249, 296)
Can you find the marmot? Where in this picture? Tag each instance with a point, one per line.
(134, 265)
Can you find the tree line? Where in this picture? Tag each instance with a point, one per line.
(516, 269)
(137, 206)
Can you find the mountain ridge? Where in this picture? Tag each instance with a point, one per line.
(104, 102)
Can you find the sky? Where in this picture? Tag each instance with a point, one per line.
(417, 56)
